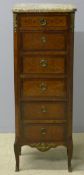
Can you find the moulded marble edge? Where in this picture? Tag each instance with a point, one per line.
(43, 7)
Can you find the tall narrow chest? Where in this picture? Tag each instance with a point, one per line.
(43, 66)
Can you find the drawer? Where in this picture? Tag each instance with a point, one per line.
(43, 64)
(42, 41)
(42, 132)
(43, 87)
(43, 110)
(40, 22)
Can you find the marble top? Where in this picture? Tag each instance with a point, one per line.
(29, 7)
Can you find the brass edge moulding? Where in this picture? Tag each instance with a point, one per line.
(43, 146)
(15, 21)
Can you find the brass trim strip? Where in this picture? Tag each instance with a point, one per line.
(72, 22)
(15, 22)
(36, 99)
(45, 121)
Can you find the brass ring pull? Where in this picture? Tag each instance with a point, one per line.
(43, 22)
(43, 109)
(43, 87)
(43, 131)
(43, 39)
(44, 63)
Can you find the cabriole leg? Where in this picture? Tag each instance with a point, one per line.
(17, 152)
(69, 154)
(20, 150)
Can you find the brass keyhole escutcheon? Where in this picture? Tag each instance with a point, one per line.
(43, 87)
(43, 39)
(43, 109)
(44, 63)
(43, 131)
(43, 22)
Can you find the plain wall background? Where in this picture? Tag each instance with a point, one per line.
(7, 119)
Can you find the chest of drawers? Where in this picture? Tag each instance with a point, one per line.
(43, 65)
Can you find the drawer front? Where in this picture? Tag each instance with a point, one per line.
(34, 22)
(42, 132)
(43, 87)
(43, 64)
(43, 111)
(43, 41)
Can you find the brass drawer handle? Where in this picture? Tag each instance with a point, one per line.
(43, 39)
(44, 63)
(43, 131)
(43, 109)
(43, 87)
(43, 22)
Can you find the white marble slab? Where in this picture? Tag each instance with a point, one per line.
(29, 7)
